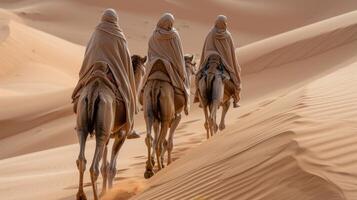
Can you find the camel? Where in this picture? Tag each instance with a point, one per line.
(96, 108)
(214, 91)
(139, 72)
(163, 105)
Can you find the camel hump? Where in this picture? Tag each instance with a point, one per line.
(159, 66)
(159, 72)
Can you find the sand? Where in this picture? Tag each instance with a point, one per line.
(293, 138)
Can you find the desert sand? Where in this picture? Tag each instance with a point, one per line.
(294, 136)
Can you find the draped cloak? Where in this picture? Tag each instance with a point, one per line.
(108, 45)
(165, 45)
(219, 41)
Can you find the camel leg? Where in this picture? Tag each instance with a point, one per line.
(211, 125)
(167, 113)
(202, 95)
(170, 142)
(217, 97)
(213, 116)
(104, 122)
(82, 134)
(81, 163)
(226, 106)
(207, 122)
(104, 170)
(149, 172)
(163, 151)
(118, 143)
(160, 142)
(101, 140)
(156, 126)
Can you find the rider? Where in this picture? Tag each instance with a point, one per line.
(108, 45)
(165, 45)
(219, 41)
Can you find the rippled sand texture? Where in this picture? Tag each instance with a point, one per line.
(294, 138)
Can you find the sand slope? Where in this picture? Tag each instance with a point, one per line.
(297, 145)
(250, 21)
(293, 138)
(37, 75)
(300, 146)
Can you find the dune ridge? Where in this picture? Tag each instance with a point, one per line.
(249, 21)
(293, 138)
(295, 145)
(298, 44)
(37, 75)
(298, 147)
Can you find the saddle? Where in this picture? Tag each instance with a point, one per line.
(218, 70)
(158, 72)
(102, 72)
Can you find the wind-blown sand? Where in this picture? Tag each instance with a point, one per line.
(294, 137)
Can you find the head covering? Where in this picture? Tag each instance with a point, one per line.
(109, 23)
(165, 45)
(219, 41)
(164, 27)
(110, 15)
(166, 22)
(108, 45)
(221, 23)
(220, 27)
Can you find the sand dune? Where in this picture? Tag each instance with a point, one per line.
(293, 138)
(37, 75)
(250, 21)
(295, 144)
(299, 44)
(294, 58)
(300, 146)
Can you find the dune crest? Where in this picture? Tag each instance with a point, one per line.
(37, 74)
(296, 144)
(299, 44)
(294, 136)
(298, 147)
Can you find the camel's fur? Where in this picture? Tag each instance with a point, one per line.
(162, 110)
(96, 109)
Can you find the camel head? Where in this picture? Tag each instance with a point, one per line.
(138, 63)
(190, 65)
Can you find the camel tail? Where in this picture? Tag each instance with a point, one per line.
(92, 100)
(209, 85)
(155, 96)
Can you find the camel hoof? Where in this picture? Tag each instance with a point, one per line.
(222, 127)
(101, 194)
(206, 126)
(215, 128)
(81, 196)
(148, 174)
(133, 135)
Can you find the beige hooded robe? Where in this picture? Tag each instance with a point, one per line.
(219, 41)
(108, 44)
(165, 45)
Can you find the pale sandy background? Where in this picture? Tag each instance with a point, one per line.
(295, 136)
